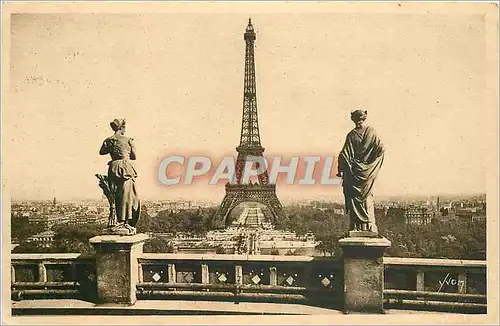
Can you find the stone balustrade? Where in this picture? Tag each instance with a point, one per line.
(241, 278)
(423, 284)
(53, 275)
(449, 284)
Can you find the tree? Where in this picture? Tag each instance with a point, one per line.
(220, 250)
(455, 240)
(197, 221)
(75, 238)
(21, 228)
(158, 245)
(31, 247)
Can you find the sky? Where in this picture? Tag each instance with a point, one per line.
(178, 81)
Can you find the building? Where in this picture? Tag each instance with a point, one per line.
(84, 219)
(417, 215)
(478, 218)
(43, 239)
(46, 220)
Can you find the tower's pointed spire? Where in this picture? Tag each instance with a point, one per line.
(249, 26)
(250, 136)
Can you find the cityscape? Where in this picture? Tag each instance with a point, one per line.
(45, 216)
(377, 216)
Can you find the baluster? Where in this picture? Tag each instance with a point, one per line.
(172, 275)
(273, 276)
(140, 276)
(239, 274)
(42, 272)
(205, 276)
(420, 281)
(238, 280)
(73, 274)
(12, 274)
(462, 282)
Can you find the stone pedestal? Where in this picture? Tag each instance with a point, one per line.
(363, 273)
(363, 234)
(117, 267)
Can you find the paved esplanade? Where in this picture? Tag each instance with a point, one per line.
(250, 217)
(183, 307)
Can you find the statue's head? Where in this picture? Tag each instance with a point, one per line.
(358, 117)
(118, 125)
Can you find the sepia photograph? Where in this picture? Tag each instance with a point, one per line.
(250, 163)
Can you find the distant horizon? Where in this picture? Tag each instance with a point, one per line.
(285, 199)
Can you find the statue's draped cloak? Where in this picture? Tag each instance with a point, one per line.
(122, 175)
(360, 161)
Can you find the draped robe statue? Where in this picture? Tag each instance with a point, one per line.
(119, 184)
(359, 164)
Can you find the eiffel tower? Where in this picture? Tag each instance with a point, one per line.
(262, 191)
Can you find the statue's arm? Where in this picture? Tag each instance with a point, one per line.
(341, 166)
(381, 148)
(132, 149)
(104, 148)
(378, 146)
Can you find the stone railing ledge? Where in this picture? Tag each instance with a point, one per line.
(48, 256)
(218, 257)
(132, 239)
(435, 262)
(364, 242)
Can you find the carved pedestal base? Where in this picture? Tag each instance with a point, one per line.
(366, 234)
(363, 273)
(117, 267)
(119, 229)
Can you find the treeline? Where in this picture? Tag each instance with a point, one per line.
(196, 221)
(22, 229)
(74, 239)
(458, 239)
(326, 225)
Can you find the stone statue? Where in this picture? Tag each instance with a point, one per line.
(119, 185)
(358, 165)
